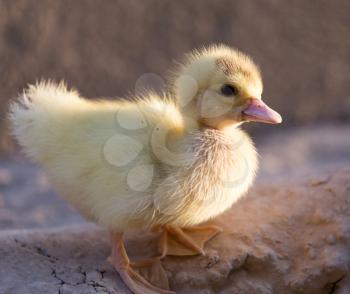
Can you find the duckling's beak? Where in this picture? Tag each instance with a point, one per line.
(257, 110)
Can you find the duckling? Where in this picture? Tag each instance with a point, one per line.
(166, 162)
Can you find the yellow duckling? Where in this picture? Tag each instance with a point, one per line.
(169, 162)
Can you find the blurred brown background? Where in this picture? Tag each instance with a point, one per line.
(103, 47)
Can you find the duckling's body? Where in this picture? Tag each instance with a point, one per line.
(153, 160)
(215, 167)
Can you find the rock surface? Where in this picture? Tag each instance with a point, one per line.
(281, 238)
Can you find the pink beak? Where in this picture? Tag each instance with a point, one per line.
(259, 111)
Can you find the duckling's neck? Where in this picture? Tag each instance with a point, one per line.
(225, 134)
(193, 122)
(225, 127)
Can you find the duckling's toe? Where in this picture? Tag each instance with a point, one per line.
(152, 271)
(142, 277)
(187, 241)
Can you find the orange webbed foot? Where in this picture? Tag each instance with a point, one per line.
(142, 277)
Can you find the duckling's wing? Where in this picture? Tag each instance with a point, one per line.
(98, 153)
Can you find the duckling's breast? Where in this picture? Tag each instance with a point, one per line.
(218, 169)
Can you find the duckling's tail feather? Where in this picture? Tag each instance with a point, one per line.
(37, 114)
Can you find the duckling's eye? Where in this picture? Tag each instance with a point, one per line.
(229, 90)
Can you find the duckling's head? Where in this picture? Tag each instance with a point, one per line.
(220, 87)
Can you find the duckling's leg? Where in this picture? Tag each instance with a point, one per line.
(187, 241)
(133, 280)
